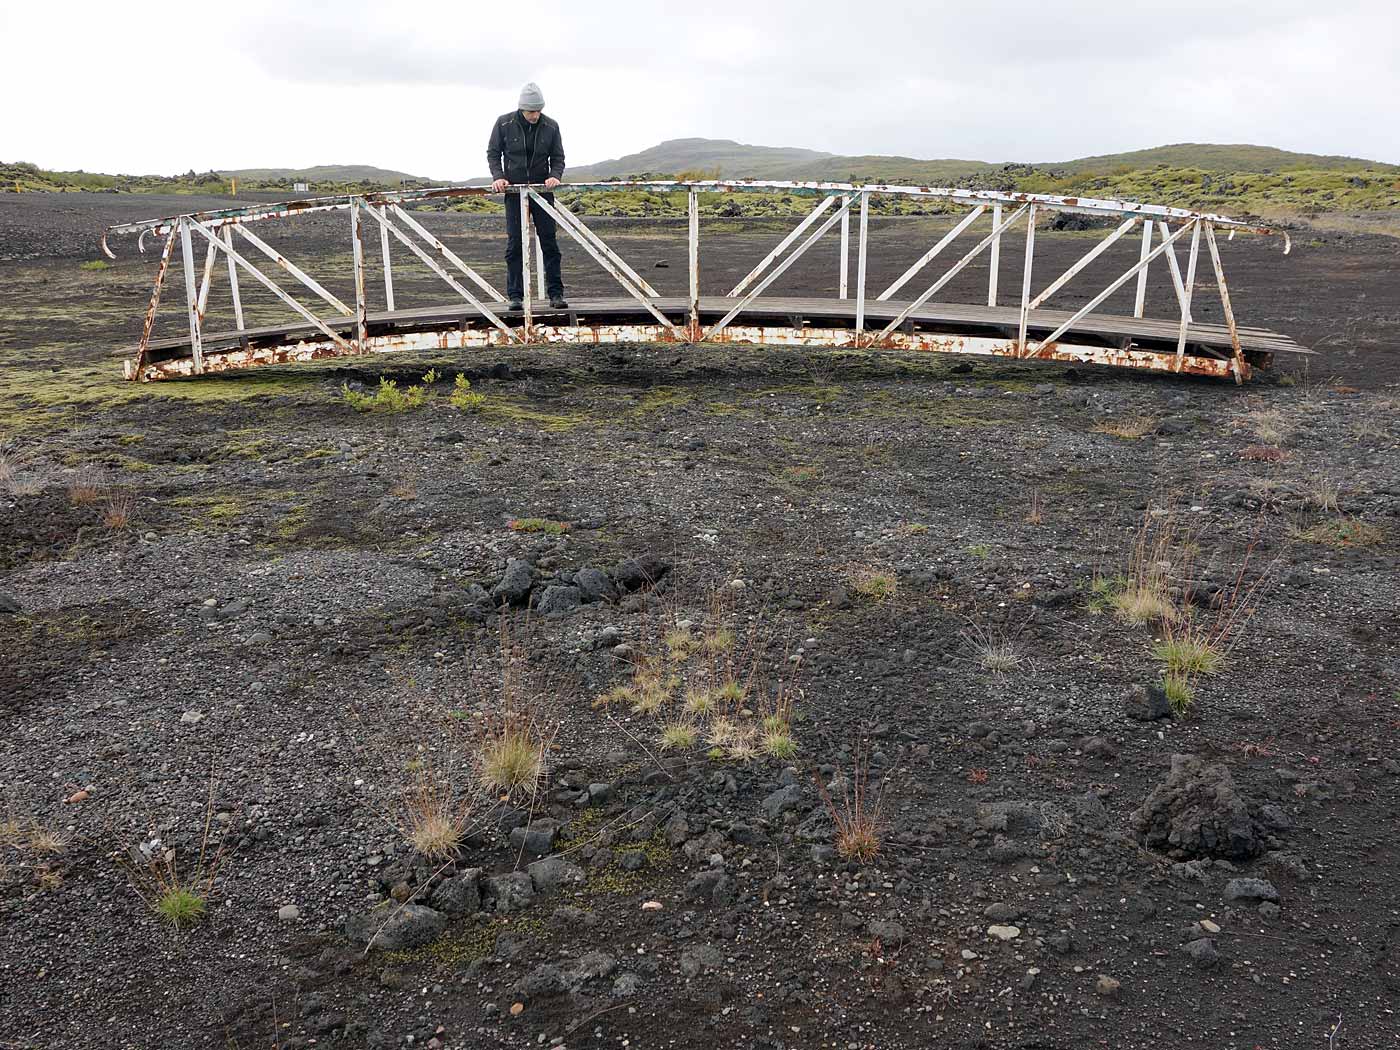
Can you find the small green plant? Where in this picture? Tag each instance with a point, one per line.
(980, 550)
(699, 700)
(1180, 694)
(463, 397)
(1188, 649)
(180, 906)
(730, 691)
(873, 582)
(778, 743)
(545, 525)
(743, 746)
(618, 694)
(680, 643)
(678, 736)
(430, 377)
(1341, 533)
(179, 899)
(720, 640)
(387, 398)
(94, 265)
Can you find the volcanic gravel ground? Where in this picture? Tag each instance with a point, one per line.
(303, 594)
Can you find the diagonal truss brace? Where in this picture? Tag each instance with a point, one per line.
(602, 254)
(436, 267)
(271, 285)
(782, 267)
(784, 244)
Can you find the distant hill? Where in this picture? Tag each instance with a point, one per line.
(1213, 157)
(733, 159)
(739, 161)
(334, 173)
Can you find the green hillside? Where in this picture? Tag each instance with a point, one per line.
(337, 174)
(732, 159)
(1212, 157)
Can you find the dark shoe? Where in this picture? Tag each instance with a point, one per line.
(515, 306)
(558, 302)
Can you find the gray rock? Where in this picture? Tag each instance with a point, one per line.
(782, 800)
(600, 794)
(891, 933)
(1202, 952)
(406, 926)
(190, 718)
(510, 892)
(9, 605)
(607, 638)
(712, 885)
(1250, 890)
(594, 965)
(1147, 703)
(543, 981)
(632, 860)
(695, 961)
(1099, 747)
(515, 584)
(537, 839)
(460, 894)
(595, 585)
(1004, 933)
(636, 573)
(1000, 911)
(1269, 910)
(553, 874)
(476, 594)
(557, 600)
(1107, 986)
(626, 986)
(288, 913)
(1197, 812)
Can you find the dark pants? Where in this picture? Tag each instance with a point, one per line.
(544, 228)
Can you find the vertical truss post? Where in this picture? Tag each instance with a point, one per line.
(995, 262)
(154, 304)
(1241, 369)
(862, 249)
(227, 233)
(191, 297)
(1026, 282)
(539, 261)
(357, 247)
(205, 281)
(1186, 295)
(693, 210)
(527, 315)
(845, 254)
(1140, 303)
(388, 262)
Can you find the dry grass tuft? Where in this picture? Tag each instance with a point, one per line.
(117, 512)
(1130, 428)
(1340, 533)
(1322, 492)
(877, 583)
(1035, 513)
(179, 899)
(858, 815)
(1269, 425)
(1143, 594)
(86, 487)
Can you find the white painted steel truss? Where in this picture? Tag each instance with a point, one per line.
(349, 330)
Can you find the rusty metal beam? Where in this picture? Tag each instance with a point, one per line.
(458, 338)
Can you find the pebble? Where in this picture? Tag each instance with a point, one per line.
(968, 955)
(1107, 986)
(189, 718)
(289, 913)
(1004, 933)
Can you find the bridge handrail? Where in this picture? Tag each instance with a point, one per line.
(1084, 205)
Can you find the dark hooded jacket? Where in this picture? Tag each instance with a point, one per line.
(513, 156)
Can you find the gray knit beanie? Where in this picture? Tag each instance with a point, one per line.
(531, 97)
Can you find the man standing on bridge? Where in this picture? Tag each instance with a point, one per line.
(525, 147)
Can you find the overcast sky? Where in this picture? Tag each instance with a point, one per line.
(163, 87)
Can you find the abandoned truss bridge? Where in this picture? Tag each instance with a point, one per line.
(855, 315)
